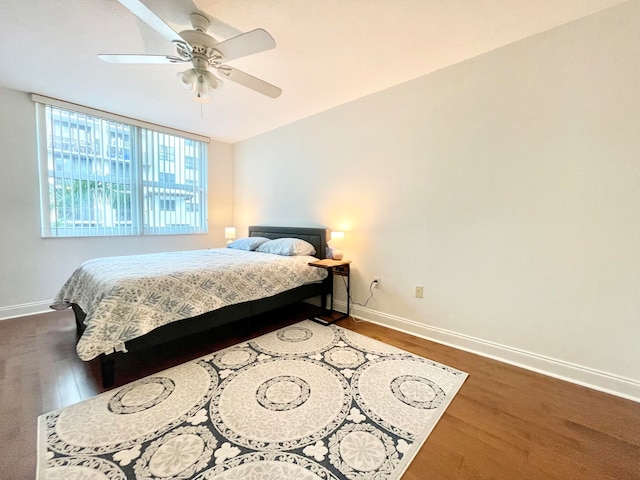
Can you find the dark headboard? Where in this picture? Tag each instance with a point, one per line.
(315, 236)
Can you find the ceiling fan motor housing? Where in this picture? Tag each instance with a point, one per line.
(197, 39)
(199, 22)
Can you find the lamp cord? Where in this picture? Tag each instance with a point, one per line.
(353, 302)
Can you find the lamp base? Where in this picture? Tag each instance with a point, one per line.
(336, 254)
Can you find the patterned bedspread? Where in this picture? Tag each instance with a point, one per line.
(126, 297)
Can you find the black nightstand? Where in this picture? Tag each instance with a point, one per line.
(334, 267)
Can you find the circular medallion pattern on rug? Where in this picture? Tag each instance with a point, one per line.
(269, 466)
(306, 337)
(141, 395)
(417, 392)
(280, 412)
(141, 410)
(234, 357)
(180, 453)
(403, 404)
(344, 357)
(361, 451)
(294, 334)
(284, 392)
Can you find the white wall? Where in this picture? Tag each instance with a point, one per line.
(32, 269)
(507, 185)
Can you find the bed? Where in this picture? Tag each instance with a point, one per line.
(117, 311)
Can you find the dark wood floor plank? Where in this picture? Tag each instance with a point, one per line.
(505, 423)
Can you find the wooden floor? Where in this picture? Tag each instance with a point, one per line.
(505, 423)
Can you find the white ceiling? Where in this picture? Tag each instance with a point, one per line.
(328, 52)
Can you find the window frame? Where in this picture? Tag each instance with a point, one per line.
(142, 223)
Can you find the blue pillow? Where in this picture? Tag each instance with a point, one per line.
(287, 247)
(249, 243)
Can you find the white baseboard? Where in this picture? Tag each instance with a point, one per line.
(25, 309)
(585, 376)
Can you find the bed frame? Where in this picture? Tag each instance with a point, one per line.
(233, 313)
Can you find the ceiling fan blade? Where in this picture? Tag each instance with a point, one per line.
(255, 41)
(249, 81)
(147, 16)
(146, 59)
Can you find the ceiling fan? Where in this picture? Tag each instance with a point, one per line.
(203, 52)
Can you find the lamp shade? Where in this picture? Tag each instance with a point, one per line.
(336, 238)
(214, 82)
(230, 232)
(187, 78)
(201, 82)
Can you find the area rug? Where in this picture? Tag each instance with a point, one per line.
(305, 402)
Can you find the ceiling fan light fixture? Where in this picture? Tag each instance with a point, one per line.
(187, 78)
(214, 82)
(201, 82)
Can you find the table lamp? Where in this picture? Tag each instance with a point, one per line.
(229, 234)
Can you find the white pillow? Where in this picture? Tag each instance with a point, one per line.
(287, 246)
(249, 243)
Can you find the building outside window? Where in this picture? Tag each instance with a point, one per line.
(167, 205)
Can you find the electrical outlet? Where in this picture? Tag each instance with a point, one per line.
(419, 291)
(376, 282)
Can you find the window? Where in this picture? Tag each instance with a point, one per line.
(103, 175)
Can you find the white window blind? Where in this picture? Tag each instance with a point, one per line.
(101, 176)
